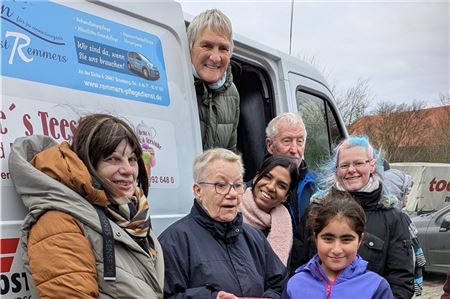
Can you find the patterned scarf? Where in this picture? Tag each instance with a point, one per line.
(134, 217)
(278, 221)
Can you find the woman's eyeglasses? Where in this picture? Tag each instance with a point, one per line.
(356, 164)
(224, 188)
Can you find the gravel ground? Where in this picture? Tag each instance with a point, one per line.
(432, 287)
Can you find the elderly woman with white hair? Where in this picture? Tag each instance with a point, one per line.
(357, 167)
(211, 46)
(211, 253)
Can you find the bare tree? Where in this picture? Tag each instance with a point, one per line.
(442, 123)
(394, 128)
(444, 99)
(354, 103)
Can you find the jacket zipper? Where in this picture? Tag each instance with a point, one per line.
(329, 284)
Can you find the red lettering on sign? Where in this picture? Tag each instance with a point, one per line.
(440, 185)
(7, 246)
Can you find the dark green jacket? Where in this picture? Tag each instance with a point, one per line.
(219, 113)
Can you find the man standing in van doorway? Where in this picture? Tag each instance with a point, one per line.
(211, 46)
(286, 136)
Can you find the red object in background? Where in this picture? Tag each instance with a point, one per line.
(7, 246)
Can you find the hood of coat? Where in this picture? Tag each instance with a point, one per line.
(63, 165)
(40, 192)
(385, 201)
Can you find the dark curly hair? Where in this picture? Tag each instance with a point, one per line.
(339, 204)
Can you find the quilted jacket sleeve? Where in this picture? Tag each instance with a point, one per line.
(61, 259)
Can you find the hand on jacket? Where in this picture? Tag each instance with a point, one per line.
(225, 295)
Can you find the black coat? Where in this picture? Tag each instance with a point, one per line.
(203, 256)
(386, 245)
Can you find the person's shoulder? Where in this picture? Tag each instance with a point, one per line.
(310, 172)
(302, 275)
(374, 276)
(252, 231)
(387, 201)
(45, 226)
(181, 226)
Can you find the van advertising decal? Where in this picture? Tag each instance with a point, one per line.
(14, 282)
(25, 117)
(50, 43)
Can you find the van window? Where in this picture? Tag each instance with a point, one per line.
(321, 126)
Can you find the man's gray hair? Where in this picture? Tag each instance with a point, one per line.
(293, 119)
(214, 19)
(202, 162)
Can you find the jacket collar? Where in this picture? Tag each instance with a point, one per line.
(202, 87)
(377, 199)
(356, 267)
(225, 231)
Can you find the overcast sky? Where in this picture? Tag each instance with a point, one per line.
(401, 47)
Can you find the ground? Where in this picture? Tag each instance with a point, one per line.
(433, 284)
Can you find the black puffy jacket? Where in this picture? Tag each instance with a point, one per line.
(203, 256)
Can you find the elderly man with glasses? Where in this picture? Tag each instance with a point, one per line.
(211, 253)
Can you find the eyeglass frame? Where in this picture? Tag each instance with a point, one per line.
(230, 185)
(346, 166)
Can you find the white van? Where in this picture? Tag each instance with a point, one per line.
(61, 60)
(431, 186)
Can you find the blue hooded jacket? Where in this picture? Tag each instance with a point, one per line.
(354, 281)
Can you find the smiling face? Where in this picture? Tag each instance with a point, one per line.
(337, 246)
(272, 189)
(210, 55)
(289, 142)
(354, 178)
(120, 168)
(220, 207)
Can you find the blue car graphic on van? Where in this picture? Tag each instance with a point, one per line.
(138, 63)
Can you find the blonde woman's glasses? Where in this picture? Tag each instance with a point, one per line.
(356, 164)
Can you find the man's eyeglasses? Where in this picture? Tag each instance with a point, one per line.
(356, 164)
(224, 188)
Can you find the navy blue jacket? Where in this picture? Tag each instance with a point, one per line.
(354, 281)
(203, 256)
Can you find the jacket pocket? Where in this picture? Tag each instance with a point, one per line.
(372, 251)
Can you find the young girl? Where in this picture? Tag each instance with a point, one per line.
(336, 271)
